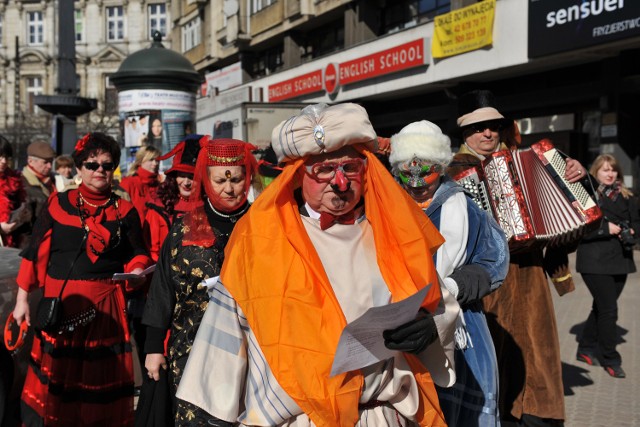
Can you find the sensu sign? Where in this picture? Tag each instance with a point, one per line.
(562, 25)
(398, 58)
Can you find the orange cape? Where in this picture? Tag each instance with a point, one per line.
(275, 275)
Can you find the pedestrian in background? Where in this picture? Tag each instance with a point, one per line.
(605, 258)
(63, 165)
(13, 208)
(143, 179)
(37, 178)
(173, 194)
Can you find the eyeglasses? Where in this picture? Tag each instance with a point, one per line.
(324, 172)
(481, 126)
(94, 166)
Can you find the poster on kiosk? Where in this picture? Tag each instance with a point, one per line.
(156, 117)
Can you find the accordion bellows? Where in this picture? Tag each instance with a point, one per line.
(526, 192)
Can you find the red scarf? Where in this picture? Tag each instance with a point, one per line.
(98, 236)
(147, 178)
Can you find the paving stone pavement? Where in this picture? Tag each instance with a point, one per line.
(592, 397)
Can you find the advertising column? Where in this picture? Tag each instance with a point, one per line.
(157, 117)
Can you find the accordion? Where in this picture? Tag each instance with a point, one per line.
(526, 192)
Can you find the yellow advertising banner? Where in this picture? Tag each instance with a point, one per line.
(463, 30)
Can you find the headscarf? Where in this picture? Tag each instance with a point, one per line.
(215, 152)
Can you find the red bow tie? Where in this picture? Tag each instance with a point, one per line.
(327, 219)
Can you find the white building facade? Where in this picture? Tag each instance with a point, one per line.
(107, 31)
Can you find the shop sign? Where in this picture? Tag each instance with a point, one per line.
(463, 30)
(297, 86)
(222, 79)
(563, 25)
(398, 58)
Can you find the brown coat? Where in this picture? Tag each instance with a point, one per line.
(522, 321)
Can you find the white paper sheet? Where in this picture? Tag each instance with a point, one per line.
(127, 276)
(361, 343)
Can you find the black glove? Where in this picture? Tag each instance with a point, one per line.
(413, 336)
(473, 282)
(218, 423)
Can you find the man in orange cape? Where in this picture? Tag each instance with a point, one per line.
(331, 237)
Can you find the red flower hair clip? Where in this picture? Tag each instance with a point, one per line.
(82, 142)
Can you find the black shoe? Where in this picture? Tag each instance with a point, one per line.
(615, 371)
(588, 358)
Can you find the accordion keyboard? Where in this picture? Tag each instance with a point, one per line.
(477, 190)
(558, 163)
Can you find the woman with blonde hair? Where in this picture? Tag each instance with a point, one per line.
(605, 258)
(143, 180)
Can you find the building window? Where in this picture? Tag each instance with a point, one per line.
(79, 22)
(401, 14)
(267, 62)
(258, 5)
(191, 34)
(157, 19)
(110, 97)
(35, 29)
(323, 40)
(115, 23)
(34, 87)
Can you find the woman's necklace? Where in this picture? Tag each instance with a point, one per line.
(232, 217)
(85, 201)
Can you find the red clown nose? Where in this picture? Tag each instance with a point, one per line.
(341, 181)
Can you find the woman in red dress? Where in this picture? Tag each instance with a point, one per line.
(12, 197)
(173, 194)
(82, 375)
(143, 180)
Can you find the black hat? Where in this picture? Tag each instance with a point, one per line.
(479, 106)
(184, 154)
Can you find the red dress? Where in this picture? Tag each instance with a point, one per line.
(142, 188)
(12, 195)
(83, 375)
(157, 223)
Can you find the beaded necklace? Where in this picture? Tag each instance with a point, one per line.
(85, 201)
(232, 217)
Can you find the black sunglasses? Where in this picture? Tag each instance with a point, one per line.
(94, 166)
(481, 126)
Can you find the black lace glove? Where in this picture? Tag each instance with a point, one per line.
(413, 336)
(473, 282)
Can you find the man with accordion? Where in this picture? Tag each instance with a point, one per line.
(520, 314)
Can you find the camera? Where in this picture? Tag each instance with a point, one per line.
(626, 236)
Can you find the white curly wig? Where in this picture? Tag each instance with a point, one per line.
(421, 140)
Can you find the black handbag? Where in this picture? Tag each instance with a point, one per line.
(48, 314)
(49, 311)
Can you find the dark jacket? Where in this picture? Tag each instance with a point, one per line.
(600, 252)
